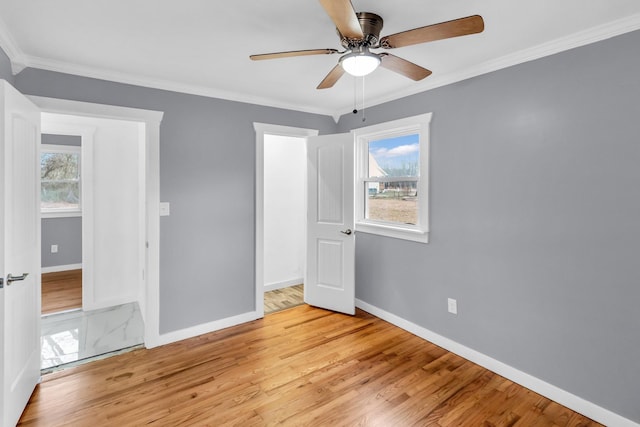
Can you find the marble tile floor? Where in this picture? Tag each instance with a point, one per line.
(78, 335)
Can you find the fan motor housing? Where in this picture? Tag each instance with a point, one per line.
(371, 25)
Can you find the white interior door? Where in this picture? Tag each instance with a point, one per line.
(19, 253)
(330, 272)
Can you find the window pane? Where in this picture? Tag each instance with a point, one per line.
(59, 166)
(392, 201)
(398, 156)
(60, 195)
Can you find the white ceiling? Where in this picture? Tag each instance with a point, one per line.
(203, 46)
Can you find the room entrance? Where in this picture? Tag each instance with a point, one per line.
(92, 203)
(326, 242)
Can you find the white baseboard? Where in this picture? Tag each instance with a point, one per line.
(550, 391)
(194, 331)
(57, 268)
(280, 285)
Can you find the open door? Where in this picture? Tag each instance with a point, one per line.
(19, 252)
(330, 271)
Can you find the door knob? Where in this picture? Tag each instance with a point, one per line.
(347, 231)
(11, 279)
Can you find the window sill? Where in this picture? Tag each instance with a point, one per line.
(62, 214)
(413, 235)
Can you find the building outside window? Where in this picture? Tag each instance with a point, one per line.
(392, 178)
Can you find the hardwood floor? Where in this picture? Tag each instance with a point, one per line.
(61, 291)
(302, 366)
(284, 298)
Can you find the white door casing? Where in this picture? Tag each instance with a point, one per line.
(330, 270)
(150, 294)
(19, 252)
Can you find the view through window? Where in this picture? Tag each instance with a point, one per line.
(392, 182)
(392, 185)
(60, 179)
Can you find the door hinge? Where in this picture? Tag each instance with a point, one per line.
(1, 282)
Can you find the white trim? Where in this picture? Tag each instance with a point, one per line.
(151, 120)
(204, 328)
(58, 268)
(284, 284)
(393, 232)
(582, 38)
(550, 391)
(102, 111)
(65, 149)
(11, 48)
(60, 214)
(262, 129)
(168, 85)
(419, 124)
(602, 32)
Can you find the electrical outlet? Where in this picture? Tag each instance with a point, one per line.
(54, 249)
(452, 306)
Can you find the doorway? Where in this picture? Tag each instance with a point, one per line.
(106, 242)
(280, 213)
(61, 221)
(285, 160)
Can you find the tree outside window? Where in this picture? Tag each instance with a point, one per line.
(60, 179)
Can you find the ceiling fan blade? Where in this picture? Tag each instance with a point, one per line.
(332, 77)
(444, 30)
(344, 16)
(404, 67)
(288, 54)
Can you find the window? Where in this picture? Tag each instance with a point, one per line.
(60, 193)
(392, 178)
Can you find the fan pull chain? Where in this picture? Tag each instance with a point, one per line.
(363, 116)
(355, 95)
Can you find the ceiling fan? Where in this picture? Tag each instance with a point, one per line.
(360, 32)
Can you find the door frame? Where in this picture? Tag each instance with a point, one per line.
(261, 130)
(150, 301)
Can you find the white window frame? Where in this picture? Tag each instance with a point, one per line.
(420, 125)
(64, 149)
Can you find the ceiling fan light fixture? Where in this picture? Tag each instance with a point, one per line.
(360, 62)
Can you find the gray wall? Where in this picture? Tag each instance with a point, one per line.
(67, 234)
(64, 232)
(535, 225)
(72, 140)
(534, 208)
(207, 173)
(5, 67)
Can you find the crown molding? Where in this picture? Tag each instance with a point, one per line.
(582, 38)
(11, 48)
(137, 80)
(19, 61)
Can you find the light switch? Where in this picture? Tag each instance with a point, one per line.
(165, 209)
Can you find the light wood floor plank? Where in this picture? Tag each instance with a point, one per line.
(61, 291)
(301, 366)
